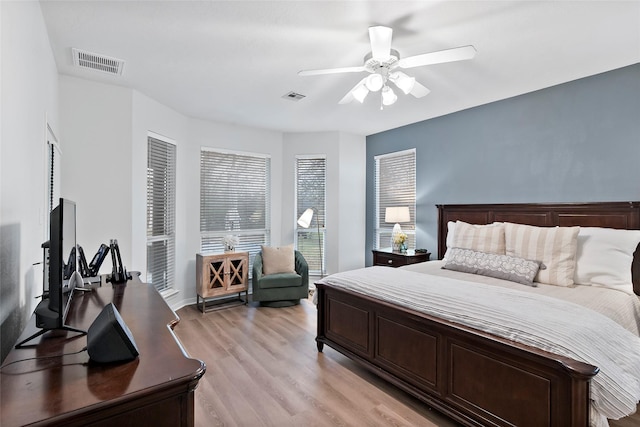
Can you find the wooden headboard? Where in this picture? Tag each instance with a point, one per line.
(621, 215)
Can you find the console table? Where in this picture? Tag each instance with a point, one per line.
(155, 389)
(219, 275)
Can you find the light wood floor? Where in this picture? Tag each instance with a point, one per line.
(263, 369)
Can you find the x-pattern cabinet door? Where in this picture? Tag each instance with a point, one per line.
(237, 272)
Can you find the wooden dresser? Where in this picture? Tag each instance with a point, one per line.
(157, 388)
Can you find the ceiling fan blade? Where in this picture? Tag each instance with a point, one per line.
(419, 91)
(349, 96)
(448, 55)
(380, 42)
(331, 71)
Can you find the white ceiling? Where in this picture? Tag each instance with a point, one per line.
(232, 61)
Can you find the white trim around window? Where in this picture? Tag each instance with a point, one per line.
(161, 211)
(395, 185)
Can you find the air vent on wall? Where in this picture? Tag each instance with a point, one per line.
(95, 61)
(293, 96)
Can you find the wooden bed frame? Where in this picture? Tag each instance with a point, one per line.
(474, 377)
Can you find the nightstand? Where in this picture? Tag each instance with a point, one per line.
(397, 259)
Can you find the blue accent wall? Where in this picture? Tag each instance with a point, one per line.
(575, 142)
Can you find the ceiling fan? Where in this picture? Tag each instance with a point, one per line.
(382, 64)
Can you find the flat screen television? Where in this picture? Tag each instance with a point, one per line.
(62, 258)
(62, 276)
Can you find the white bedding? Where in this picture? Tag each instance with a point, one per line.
(538, 317)
(617, 304)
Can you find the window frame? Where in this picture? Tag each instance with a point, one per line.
(405, 197)
(320, 215)
(168, 202)
(211, 240)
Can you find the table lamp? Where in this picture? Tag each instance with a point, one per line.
(396, 214)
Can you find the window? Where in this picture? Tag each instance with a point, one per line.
(310, 193)
(234, 199)
(161, 207)
(395, 185)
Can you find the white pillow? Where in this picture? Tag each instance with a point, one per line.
(605, 256)
(487, 238)
(451, 231)
(555, 247)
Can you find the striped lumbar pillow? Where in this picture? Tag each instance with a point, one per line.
(555, 247)
(482, 238)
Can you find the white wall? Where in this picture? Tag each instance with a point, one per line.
(345, 219)
(29, 98)
(106, 129)
(102, 130)
(104, 172)
(351, 207)
(97, 166)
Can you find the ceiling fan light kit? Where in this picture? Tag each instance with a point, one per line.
(360, 92)
(374, 82)
(404, 82)
(381, 64)
(388, 96)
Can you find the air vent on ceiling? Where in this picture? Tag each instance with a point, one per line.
(293, 96)
(95, 61)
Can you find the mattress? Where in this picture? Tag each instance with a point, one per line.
(618, 305)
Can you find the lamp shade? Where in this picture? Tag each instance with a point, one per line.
(396, 214)
(305, 219)
(388, 96)
(404, 82)
(374, 82)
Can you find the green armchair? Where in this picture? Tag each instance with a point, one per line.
(280, 289)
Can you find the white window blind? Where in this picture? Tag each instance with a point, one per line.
(234, 199)
(310, 193)
(395, 185)
(161, 202)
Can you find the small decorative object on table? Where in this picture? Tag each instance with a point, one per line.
(230, 242)
(400, 242)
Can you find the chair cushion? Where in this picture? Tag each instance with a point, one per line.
(278, 259)
(280, 280)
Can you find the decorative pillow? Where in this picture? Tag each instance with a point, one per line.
(483, 238)
(605, 256)
(499, 266)
(278, 259)
(555, 247)
(451, 230)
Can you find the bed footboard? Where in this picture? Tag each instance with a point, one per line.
(475, 378)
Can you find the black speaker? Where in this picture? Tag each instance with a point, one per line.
(109, 339)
